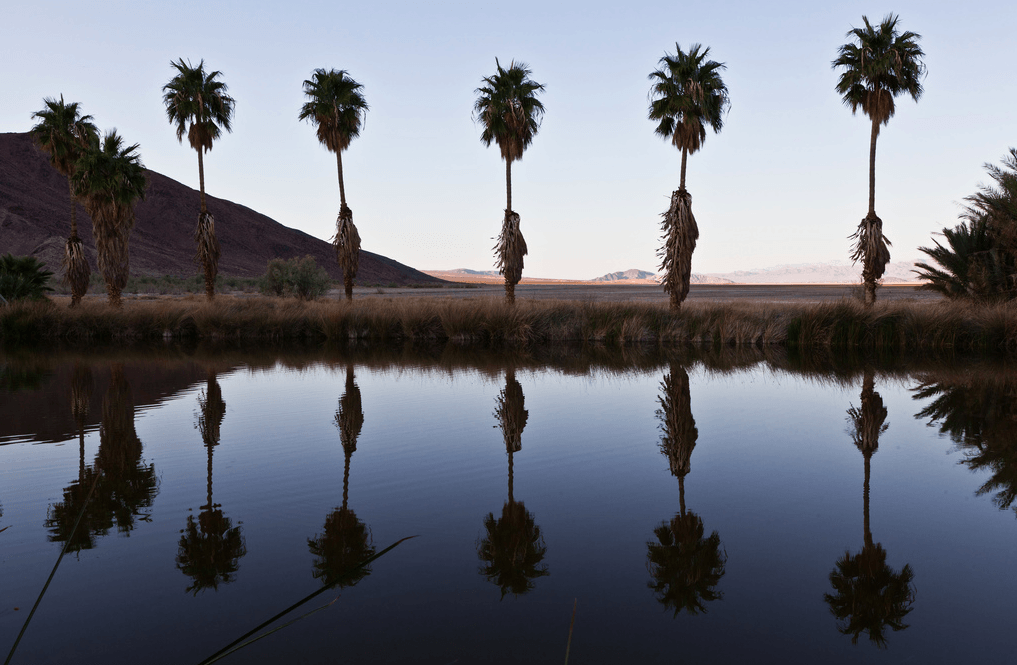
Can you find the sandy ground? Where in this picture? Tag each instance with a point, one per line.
(655, 294)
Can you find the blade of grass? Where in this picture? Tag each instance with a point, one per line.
(63, 550)
(568, 645)
(239, 642)
(5, 528)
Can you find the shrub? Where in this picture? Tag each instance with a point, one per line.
(23, 278)
(299, 277)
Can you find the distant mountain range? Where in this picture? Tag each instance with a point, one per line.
(35, 220)
(897, 272)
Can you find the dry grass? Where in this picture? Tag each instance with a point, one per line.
(842, 326)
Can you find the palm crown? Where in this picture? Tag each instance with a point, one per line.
(110, 176)
(336, 105)
(879, 65)
(197, 103)
(63, 133)
(687, 95)
(509, 110)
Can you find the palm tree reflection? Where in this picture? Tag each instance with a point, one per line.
(869, 596)
(513, 550)
(125, 486)
(344, 541)
(980, 415)
(210, 549)
(685, 565)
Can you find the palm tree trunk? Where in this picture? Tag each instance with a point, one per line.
(511, 498)
(342, 187)
(681, 494)
(685, 158)
(74, 210)
(208, 487)
(865, 495)
(508, 184)
(201, 180)
(346, 480)
(872, 168)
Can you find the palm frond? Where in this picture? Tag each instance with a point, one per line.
(336, 105)
(509, 250)
(208, 252)
(347, 248)
(686, 95)
(508, 109)
(77, 272)
(680, 233)
(198, 105)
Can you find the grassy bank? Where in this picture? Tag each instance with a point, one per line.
(846, 324)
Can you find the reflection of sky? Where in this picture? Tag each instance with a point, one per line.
(785, 182)
(774, 472)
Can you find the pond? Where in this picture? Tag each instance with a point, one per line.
(631, 506)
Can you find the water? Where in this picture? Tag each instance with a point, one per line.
(692, 507)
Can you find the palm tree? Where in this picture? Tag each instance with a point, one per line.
(971, 266)
(64, 134)
(685, 564)
(511, 114)
(997, 205)
(345, 541)
(210, 549)
(513, 551)
(110, 178)
(687, 95)
(878, 65)
(197, 103)
(337, 106)
(869, 596)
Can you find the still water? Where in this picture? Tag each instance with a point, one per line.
(634, 507)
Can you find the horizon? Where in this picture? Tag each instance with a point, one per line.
(426, 192)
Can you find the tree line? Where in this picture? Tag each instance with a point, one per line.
(687, 95)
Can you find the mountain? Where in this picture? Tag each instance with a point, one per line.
(35, 220)
(646, 277)
(836, 272)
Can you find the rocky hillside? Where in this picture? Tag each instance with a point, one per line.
(35, 220)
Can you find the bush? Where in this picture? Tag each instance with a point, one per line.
(299, 277)
(23, 278)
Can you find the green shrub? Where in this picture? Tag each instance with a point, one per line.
(23, 278)
(299, 277)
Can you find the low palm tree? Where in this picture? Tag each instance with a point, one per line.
(110, 179)
(197, 103)
(686, 565)
(336, 104)
(508, 108)
(997, 204)
(970, 266)
(687, 95)
(64, 134)
(878, 65)
(869, 596)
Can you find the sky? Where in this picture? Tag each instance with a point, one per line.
(784, 182)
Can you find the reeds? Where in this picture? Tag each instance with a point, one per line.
(845, 325)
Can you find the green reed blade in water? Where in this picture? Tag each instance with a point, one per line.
(239, 643)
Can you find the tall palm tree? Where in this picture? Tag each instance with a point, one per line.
(878, 65)
(686, 565)
(337, 106)
(508, 108)
(687, 95)
(869, 596)
(64, 134)
(110, 179)
(513, 551)
(210, 549)
(197, 103)
(345, 541)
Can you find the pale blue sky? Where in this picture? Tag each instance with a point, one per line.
(785, 182)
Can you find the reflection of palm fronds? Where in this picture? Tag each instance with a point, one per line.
(872, 249)
(344, 543)
(513, 550)
(869, 421)
(509, 250)
(349, 417)
(680, 235)
(685, 566)
(676, 422)
(61, 517)
(208, 251)
(212, 410)
(511, 413)
(347, 248)
(210, 549)
(869, 596)
(77, 272)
